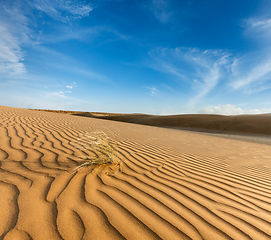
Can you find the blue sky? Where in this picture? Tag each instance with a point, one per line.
(136, 56)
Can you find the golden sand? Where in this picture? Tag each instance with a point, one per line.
(174, 184)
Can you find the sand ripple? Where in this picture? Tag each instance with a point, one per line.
(173, 186)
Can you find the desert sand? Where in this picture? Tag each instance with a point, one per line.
(259, 124)
(174, 184)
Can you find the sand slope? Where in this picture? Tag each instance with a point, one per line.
(245, 124)
(174, 184)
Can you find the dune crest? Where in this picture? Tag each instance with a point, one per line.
(173, 185)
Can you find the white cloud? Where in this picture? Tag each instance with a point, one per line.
(168, 88)
(160, 8)
(229, 109)
(252, 71)
(63, 10)
(13, 34)
(12, 69)
(264, 24)
(70, 87)
(258, 28)
(202, 70)
(54, 59)
(153, 91)
(85, 34)
(66, 33)
(58, 94)
(16, 25)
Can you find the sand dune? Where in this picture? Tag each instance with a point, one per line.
(173, 185)
(246, 124)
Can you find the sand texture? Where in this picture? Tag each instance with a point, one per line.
(174, 184)
(259, 124)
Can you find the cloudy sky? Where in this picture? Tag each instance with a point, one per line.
(147, 56)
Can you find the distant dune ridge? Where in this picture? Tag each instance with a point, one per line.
(174, 184)
(255, 124)
(244, 124)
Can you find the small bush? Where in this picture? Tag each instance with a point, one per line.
(97, 144)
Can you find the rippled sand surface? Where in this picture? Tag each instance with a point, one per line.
(173, 185)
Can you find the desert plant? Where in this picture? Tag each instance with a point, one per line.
(98, 144)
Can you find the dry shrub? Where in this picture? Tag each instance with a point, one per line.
(103, 153)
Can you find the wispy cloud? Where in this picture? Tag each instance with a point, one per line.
(83, 34)
(63, 10)
(252, 71)
(13, 34)
(165, 86)
(71, 87)
(153, 91)
(261, 24)
(17, 31)
(56, 95)
(43, 98)
(16, 25)
(57, 60)
(66, 33)
(86, 34)
(258, 28)
(202, 70)
(161, 10)
(229, 109)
